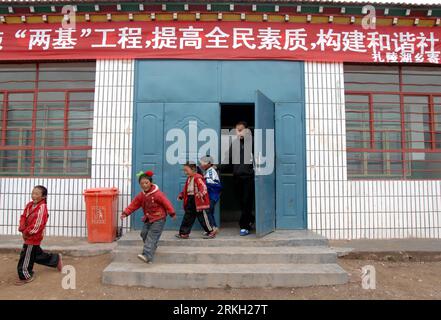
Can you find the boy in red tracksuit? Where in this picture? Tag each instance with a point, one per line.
(155, 205)
(32, 225)
(196, 203)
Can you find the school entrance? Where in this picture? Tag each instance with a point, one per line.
(186, 99)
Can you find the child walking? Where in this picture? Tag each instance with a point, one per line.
(196, 202)
(32, 226)
(214, 187)
(155, 205)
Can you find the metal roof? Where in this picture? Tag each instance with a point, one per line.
(339, 2)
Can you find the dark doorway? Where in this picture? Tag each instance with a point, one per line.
(229, 204)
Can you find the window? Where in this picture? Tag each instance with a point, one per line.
(46, 113)
(393, 121)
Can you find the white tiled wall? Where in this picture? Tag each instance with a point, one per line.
(340, 208)
(111, 159)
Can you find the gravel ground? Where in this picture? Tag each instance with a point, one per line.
(395, 280)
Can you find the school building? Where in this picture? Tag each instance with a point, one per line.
(89, 91)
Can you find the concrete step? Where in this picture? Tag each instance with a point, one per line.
(180, 276)
(230, 255)
(229, 239)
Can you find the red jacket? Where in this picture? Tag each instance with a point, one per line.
(201, 196)
(33, 221)
(154, 203)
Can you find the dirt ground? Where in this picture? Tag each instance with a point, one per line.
(395, 280)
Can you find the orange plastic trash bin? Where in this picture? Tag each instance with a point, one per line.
(101, 211)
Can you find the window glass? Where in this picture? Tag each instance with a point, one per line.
(17, 76)
(393, 128)
(364, 78)
(48, 128)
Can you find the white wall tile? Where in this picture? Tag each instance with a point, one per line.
(343, 209)
(111, 160)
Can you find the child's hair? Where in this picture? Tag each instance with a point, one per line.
(146, 175)
(243, 123)
(207, 159)
(191, 165)
(43, 190)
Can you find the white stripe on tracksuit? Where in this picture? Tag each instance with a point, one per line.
(26, 261)
(207, 222)
(38, 222)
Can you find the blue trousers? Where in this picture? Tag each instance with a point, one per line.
(150, 234)
(210, 213)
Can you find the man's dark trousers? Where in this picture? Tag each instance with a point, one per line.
(244, 187)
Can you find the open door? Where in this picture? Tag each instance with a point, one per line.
(265, 181)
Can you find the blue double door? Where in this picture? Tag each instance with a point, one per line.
(168, 134)
(171, 96)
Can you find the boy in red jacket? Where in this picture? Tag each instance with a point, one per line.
(32, 225)
(155, 205)
(196, 203)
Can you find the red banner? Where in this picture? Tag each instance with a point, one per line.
(220, 40)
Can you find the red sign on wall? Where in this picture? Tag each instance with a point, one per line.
(220, 40)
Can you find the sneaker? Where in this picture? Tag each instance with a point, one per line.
(182, 236)
(143, 258)
(20, 282)
(215, 230)
(60, 262)
(244, 232)
(210, 235)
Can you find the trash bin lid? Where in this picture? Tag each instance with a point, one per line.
(101, 191)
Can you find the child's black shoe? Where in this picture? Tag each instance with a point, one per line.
(210, 235)
(20, 282)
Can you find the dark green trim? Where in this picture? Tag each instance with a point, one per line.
(265, 8)
(85, 8)
(397, 12)
(353, 11)
(129, 7)
(310, 9)
(220, 7)
(42, 9)
(175, 7)
(436, 12)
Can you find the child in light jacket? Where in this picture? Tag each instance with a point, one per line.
(214, 187)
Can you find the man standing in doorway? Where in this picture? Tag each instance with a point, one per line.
(241, 159)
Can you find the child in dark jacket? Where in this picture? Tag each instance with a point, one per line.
(214, 187)
(196, 202)
(32, 226)
(155, 205)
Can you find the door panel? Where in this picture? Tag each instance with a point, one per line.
(290, 175)
(265, 184)
(148, 151)
(179, 116)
